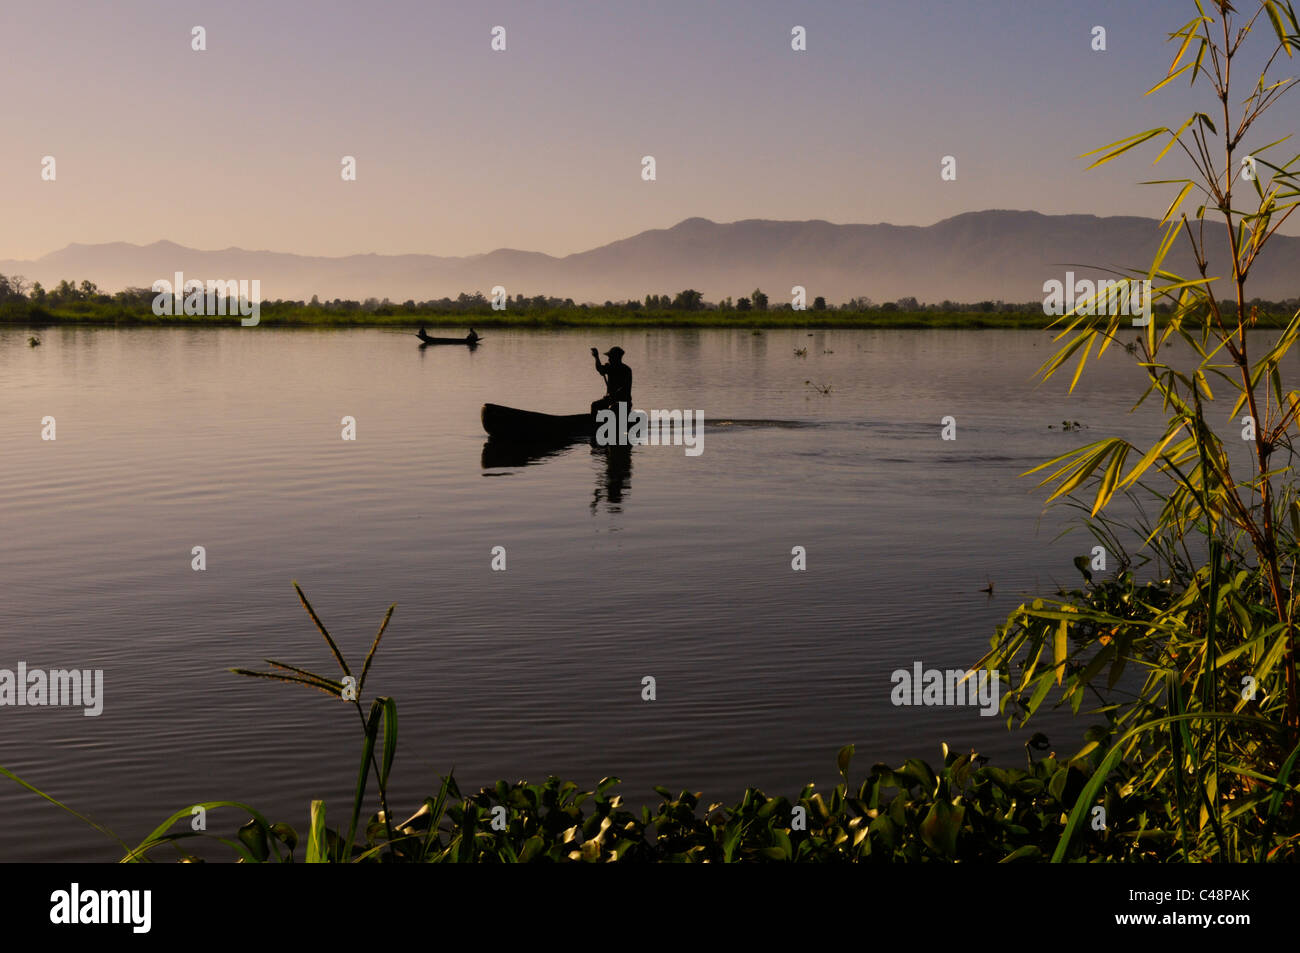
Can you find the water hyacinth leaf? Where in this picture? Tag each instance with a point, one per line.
(940, 828)
(286, 835)
(843, 759)
(254, 837)
(605, 784)
(533, 848)
(1028, 852)
(884, 828)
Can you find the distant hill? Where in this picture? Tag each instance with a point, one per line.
(971, 257)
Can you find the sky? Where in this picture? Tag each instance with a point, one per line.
(461, 149)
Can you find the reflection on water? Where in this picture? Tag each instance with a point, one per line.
(613, 483)
(229, 439)
(508, 453)
(613, 473)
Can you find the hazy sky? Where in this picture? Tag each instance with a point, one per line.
(461, 149)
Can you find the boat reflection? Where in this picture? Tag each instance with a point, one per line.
(614, 465)
(509, 453)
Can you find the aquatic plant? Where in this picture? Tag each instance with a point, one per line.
(1195, 671)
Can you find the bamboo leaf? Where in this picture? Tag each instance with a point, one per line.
(1168, 79)
(1111, 477)
(1060, 650)
(1270, 7)
(1177, 201)
(1121, 147)
(1083, 359)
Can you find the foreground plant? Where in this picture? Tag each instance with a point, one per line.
(1200, 686)
(967, 810)
(383, 711)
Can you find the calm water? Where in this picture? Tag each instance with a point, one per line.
(665, 564)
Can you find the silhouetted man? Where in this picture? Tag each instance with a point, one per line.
(472, 337)
(618, 381)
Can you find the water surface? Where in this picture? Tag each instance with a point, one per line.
(650, 563)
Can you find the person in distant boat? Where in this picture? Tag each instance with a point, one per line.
(472, 337)
(618, 381)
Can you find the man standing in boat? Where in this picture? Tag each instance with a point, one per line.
(618, 381)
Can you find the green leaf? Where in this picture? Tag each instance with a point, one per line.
(363, 774)
(317, 850)
(1276, 19)
(254, 837)
(1168, 79)
(605, 784)
(159, 833)
(1177, 201)
(1028, 852)
(1123, 145)
(390, 739)
(940, 827)
(533, 848)
(59, 804)
(842, 761)
(1060, 650)
(286, 835)
(1088, 796)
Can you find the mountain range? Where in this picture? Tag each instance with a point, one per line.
(988, 255)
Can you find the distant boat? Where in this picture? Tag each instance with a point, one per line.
(463, 342)
(527, 426)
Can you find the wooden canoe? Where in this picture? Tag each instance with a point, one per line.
(464, 342)
(526, 426)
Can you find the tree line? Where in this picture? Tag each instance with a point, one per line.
(17, 295)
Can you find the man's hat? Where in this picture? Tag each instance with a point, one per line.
(615, 351)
